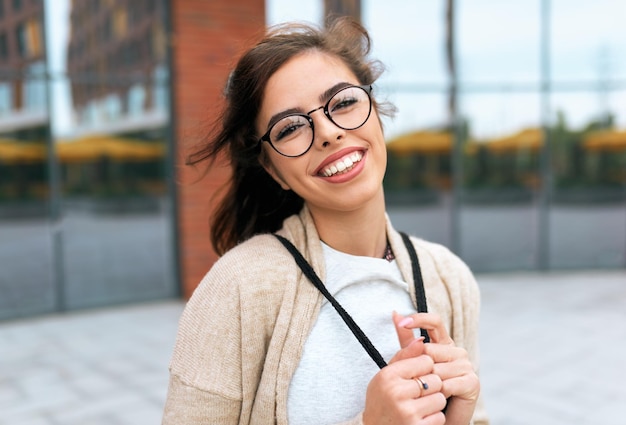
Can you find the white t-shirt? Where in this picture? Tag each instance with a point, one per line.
(330, 382)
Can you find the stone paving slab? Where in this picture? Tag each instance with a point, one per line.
(554, 347)
(553, 351)
(93, 367)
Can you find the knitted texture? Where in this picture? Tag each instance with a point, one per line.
(242, 332)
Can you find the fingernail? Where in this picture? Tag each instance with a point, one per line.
(405, 322)
(417, 340)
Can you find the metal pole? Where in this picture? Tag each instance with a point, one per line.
(172, 145)
(456, 129)
(543, 258)
(55, 213)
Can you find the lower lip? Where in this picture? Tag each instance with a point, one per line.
(344, 177)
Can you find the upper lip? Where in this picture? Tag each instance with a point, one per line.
(334, 157)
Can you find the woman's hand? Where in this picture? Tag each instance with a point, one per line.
(396, 396)
(460, 384)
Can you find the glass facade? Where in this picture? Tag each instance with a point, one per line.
(510, 145)
(85, 200)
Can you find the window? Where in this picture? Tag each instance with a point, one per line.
(35, 87)
(5, 98)
(20, 35)
(4, 47)
(29, 41)
(136, 99)
(120, 23)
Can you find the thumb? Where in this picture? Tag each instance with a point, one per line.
(405, 336)
(414, 349)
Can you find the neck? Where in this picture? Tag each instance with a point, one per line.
(360, 232)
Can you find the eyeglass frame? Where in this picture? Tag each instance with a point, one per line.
(367, 88)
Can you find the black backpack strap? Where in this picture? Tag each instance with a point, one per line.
(312, 276)
(418, 282)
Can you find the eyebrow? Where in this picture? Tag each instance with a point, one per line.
(323, 98)
(331, 91)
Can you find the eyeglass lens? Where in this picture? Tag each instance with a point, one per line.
(348, 109)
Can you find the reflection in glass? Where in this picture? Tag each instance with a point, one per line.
(26, 261)
(588, 42)
(84, 207)
(589, 168)
(502, 147)
(112, 156)
(501, 151)
(498, 42)
(408, 38)
(588, 150)
(418, 180)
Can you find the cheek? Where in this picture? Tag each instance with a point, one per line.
(273, 168)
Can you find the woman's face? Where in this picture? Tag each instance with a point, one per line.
(303, 84)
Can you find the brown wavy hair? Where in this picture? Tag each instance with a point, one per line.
(254, 203)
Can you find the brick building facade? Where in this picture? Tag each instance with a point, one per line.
(207, 37)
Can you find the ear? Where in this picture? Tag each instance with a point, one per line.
(271, 170)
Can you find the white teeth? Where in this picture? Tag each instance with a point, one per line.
(343, 165)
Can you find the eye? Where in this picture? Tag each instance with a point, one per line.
(345, 100)
(288, 128)
(343, 104)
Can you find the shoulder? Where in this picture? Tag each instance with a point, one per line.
(440, 261)
(441, 255)
(257, 266)
(252, 256)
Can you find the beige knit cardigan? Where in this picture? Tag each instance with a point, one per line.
(242, 332)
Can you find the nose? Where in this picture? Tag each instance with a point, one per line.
(325, 131)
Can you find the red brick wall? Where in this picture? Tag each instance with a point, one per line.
(207, 37)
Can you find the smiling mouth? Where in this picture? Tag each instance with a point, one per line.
(342, 166)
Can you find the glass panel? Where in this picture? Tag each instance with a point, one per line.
(26, 274)
(111, 147)
(589, 166)
(277, 12)
(587, 225)
(410, 44)
(417, 183)
(418, 179)
(501, 180)
(588, 40)
(27, 264)
(498, 41)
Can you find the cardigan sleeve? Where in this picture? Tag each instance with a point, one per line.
(205, 370)
(186, 405)
(468, 313)
(471, 312)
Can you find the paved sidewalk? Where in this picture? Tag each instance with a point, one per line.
(554, 348)
(553, 352)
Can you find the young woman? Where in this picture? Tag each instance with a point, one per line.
(259, 342)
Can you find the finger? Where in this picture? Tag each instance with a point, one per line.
(426, 385)
(405, 335)
(453, 369)
(414, 349)
(431, 322)
(437, 418)
(408, 368)
(430, 405)
(443, 353)
(466, 387)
